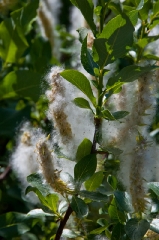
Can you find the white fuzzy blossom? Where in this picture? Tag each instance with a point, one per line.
(139, 157)
(72, 124)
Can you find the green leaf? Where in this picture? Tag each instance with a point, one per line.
(87, 9)
(154, 226)
(94, 196)
(74, 3)
(151, 56)
(36, 181)
(28, 84)
(112, 211)
(155, 8)
(118, 232)
(85, 168)
(103, 222)
(12, 45)
(94, 182)
(10, 119)
(52, 200)
(114, 40)
(80, 81)
(154, 186)
(133, 16)
(120, 114)
(106, 114)
(14, 230)
(113, 88)
(113, 150)
(144, 11)
(87, 59)
(98, 230)
(82, 103)
(112, 181)
(12, 225)
(125, 76)
(6, 86)
(115, 6)
(11, 218)
(136, 229)
(24, 16)
(79, 207)
(140, 5)
(123, 201)
(84, 149)
(38, 193)
(37, 213)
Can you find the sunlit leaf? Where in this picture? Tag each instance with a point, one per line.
(80, 81)
(94, 182)
(83, 149)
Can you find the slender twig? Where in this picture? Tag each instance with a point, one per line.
(63, 223)
(97, 123)
(5, 173)
(69, 211)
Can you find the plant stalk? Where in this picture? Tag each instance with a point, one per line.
(63, 223)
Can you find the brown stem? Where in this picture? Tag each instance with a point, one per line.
(97, 123)
(63, 223)
(5, 173)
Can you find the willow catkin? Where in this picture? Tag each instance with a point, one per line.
(71, 124)
(51, 175)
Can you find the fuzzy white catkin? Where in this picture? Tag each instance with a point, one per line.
(72, 124)
(24, 158)
(138, 160)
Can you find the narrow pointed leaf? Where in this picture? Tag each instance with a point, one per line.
(87, 59)
(114, 40)
(154, 186)
(80, 81)
(98, 230)
(125, 76)
(94, 182)
(120, 114)
(82, 103)
(84, 149)
(94, 196)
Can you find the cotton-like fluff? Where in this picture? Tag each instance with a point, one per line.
(130, 134)
(24, 159)
(77, 21)
(50, 174)
(72, 124)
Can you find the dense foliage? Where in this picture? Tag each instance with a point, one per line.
(79, 129)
